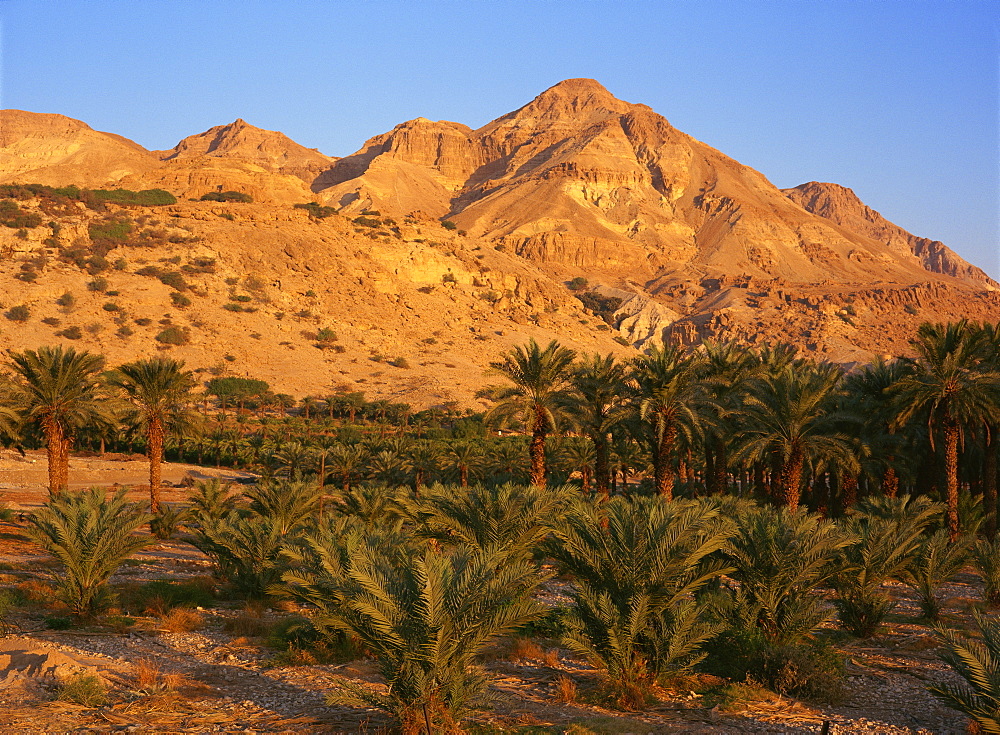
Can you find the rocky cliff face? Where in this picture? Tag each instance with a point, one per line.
(842, 206)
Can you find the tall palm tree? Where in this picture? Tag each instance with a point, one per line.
(10, 415)
(670, 399)
(789, 418)
(954, 391)
(598, 404)
(540, 379)
(62, 393)
(990, 350)
(160, 390)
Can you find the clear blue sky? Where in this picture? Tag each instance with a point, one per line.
(897, 100)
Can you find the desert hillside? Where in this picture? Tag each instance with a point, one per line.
(426, 254)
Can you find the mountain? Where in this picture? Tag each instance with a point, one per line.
(577, 217)
(58, 150)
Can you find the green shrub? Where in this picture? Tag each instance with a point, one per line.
(176, 336)
(366, 222)
(316, 210)
(179, 300)
(88, 690)
(578, 284)
(110, 234)
(144, 198)
(98, 285)
(246, 550)
(20, 313)
(173, 279)
(111, 306)
(449, 225)
(637, 566)
(227, 196)
(73, 332)
(67, 300)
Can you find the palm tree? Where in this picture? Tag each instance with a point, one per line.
(789, 419)
(61, 392)
(540, 380)
(466, 456)
(598, 405)
(669, 403)
(160, 390)
(949, 386)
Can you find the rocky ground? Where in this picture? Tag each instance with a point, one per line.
(214, 672)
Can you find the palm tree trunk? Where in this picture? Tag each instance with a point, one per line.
(601, 478)
(64, 444)
(53, 453)
(791, 478)
(463, 475)
(951, 474)
(662, 471)
(890, 482)
(721, 479)
(537, 449)
(849, 490)
(990, 485)
(155, 450)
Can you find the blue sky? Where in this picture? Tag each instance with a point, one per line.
(897, 100)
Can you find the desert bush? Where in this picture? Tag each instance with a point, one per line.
(179, 300)
(72, 332)
(449, 225)
(91, 536)
(211, 500)
(509, 519)
(66, 301)
(173, 335)
(181, 620)
(227, 196)
(986, 556)
(316, 210)
(978, 663)
(98, 284)
(88, 690)
(290, 504)
(20, 313)
(160, 596)
(144, 198)
(636, 566)
(771, 612)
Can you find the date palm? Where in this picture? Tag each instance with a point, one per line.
(160, 390)
(954, 391)
(62, 393)
(670, 399)
(788, 418)
(598, 405)
(540, 386)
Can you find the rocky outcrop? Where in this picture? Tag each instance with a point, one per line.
(841, 205)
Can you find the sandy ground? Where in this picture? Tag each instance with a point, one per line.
(24, 479)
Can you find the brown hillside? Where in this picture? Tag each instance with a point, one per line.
(674, 240)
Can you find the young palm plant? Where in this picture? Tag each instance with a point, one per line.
(636, 566)
(978, 663)
(986, 556)
(937, 561)
(211, 500)
(91, 536)
(510, 519)
(882, 550)
(246, 550)
(289, 504)
(426, 616)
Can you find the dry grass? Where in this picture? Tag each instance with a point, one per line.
(249, 623)
(565, 690)
(551, 657)
(181, 620)
(147, 675)
(525, 649)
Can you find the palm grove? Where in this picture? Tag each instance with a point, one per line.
(697, 498)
